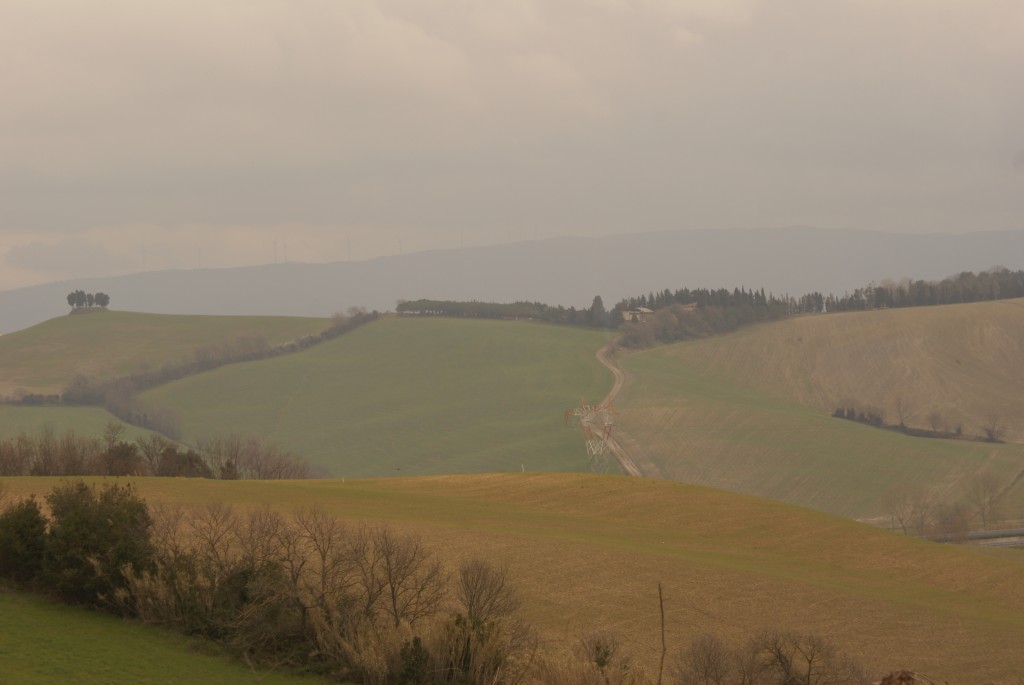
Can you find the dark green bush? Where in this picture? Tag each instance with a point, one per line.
(22, 541)
(94, 537)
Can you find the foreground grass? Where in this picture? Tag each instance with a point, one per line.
(588, 552)
(409, 396)
(43, 358)
(42, 643)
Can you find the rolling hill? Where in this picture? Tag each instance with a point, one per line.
(751, 411)
(407, 396)
(43, 358)
(588, 552)
(963, 362)
(83, 421)
(747, 412)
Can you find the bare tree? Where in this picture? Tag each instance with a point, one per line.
(214, 530)
(953, 520)
(261, 536)
(922, 510)
(368, 575)
(902, 411)
(13, 461)
(484, 592)
(993, 428)
(46, 452)
(909, 508)
(414, 582)
(251, 458)
(707, 661)
(983, 494)
(936, 421)
(151, 447)
(898, 503)
(807, 659)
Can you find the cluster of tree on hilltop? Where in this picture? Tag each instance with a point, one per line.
(79, 298)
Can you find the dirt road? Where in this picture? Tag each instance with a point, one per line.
(633, 463)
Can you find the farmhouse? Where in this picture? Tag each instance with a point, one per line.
(638, 314)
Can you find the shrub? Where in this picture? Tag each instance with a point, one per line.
(94, 538)
(22, 541)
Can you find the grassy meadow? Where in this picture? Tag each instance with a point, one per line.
(84, 421)
(751, 411)
(588, 552)
(42, 643)
(407, 396)
(43, 358)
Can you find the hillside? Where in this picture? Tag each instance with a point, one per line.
(751, 411)
(588, 552)
(84, 421)
(406, 396)
(43, 358)
(43, 643)
(963, 362)
(566, 271)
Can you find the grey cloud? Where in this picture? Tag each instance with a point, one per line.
(565, 116)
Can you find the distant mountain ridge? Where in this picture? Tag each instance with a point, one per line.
(566, 271)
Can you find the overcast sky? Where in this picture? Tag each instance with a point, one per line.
(177, 133)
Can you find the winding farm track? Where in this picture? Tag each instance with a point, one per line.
(633, 462)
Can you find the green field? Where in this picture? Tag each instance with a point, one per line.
(103, 344)
(42, 643)
(751, 411)
(588, 552)
(697, 426)
(84, 421)
(407, 396)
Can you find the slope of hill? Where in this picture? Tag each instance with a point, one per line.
(43, 643)
(964, 364)
(588, 552)
(42, 359)
(408, 396)
(84, 421)
(566, 271)
(751, 412)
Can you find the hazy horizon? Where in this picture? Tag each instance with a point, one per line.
(140, 137)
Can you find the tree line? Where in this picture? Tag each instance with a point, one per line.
(995, 284)
(78, 299)
(229, 458)
(688, 314)
(914, 510)
(355, 603)
(595, 316)
(243, 348)
(119, 395)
